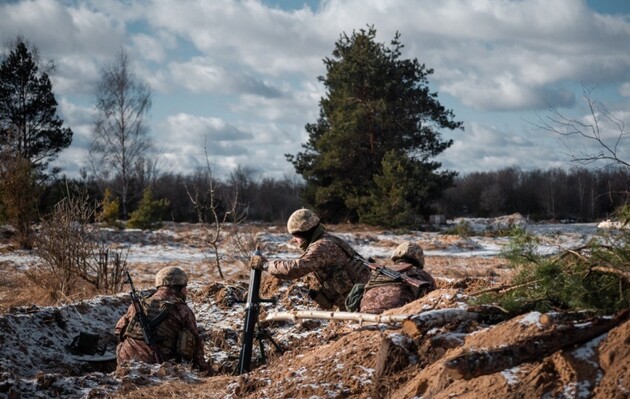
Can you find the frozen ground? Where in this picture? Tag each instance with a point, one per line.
(174, 244)
(35, 361)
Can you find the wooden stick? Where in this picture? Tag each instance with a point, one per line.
(418, 324)
(294, 315)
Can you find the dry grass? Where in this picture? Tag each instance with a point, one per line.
(474, 266)
(18, 289)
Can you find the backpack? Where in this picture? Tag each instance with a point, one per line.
(86, 344)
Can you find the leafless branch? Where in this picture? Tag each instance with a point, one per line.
(596, 130)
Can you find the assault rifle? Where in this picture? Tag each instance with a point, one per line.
(141, 318)
(391, 273)
(250, 330)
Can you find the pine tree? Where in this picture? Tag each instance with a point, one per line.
(376, 103)
(29, 125)
(31, 135)
(149, 213)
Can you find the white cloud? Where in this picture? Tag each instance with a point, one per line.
(482, 148)
(203, 74)
(151, 48)
(183, 126)
(245, 74)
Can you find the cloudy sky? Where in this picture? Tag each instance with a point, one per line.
(240, 77)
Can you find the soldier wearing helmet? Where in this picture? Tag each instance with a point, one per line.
(174, 324)
(335, 266)
(382, 293)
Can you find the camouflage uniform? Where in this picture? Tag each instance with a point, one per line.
(331, 262)
(382, 293)
(178, 319)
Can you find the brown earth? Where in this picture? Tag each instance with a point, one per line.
(348, 360)
(341, 359)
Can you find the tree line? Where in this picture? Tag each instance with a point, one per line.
(369, 157)
(577, 194)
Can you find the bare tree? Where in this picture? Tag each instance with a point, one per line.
(120, 139)
(601, 128)
(215, 215)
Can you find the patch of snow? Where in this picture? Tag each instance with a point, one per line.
(581, 389)
(510, 375)
(613, 225)
(531, 318)
(588, 351)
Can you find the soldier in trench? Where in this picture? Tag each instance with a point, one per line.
(174, 325)
(382, 292)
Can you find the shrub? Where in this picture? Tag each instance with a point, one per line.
(149, 212)
(72, 252)
(110, 209)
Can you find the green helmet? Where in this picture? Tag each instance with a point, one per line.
(171, 276)
(301, 221)
(409, 250)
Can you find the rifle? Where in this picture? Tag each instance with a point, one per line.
(393, 274)
(252, 310)
(141, 318)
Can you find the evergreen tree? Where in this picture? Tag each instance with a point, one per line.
(376, 103)
(149, 213)
(29, 125)
(31, 135)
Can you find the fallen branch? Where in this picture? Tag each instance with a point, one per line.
(417, 325)
(326, 315)
(482, 362)
(503, 288)
(612, 270)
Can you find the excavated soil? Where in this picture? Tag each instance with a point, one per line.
(319, 358)
(349, 360)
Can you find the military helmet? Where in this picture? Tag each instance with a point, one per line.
(409, 250)
(171, 276)
(301, 221)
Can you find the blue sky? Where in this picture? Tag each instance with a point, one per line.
(241, 76)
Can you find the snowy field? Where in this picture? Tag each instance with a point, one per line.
(183, 244)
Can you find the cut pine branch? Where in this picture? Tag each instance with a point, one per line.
(504, 288)
(482, 362)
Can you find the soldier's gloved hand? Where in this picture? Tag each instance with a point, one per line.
(258, 262)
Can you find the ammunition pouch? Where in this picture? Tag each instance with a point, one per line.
(353, 300)
(185, 345)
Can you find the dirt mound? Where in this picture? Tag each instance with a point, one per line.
(347, 359)
(326, 358)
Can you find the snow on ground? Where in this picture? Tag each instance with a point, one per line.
(166, 246)
(33, 346)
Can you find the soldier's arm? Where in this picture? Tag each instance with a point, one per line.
(315, 257)
(190, 322)
(123, 322)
